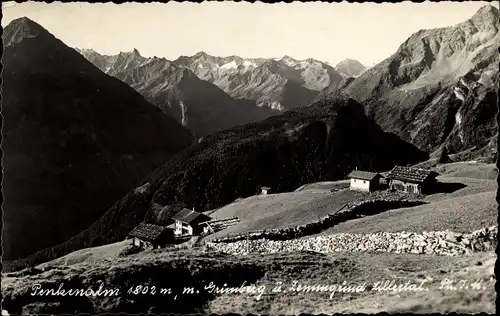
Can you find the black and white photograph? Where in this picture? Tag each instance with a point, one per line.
(249, 158)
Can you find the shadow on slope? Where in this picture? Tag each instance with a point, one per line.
(447, 187)
(74, 140)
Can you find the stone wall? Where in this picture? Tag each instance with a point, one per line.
(441, 243)
(372, 205)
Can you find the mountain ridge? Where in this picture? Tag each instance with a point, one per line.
(70, 132)
(266, 81)
(259, 78)
(438, 73)
(195, 103)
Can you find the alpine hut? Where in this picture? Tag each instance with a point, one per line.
(364, 180)
(147, 235)
(189, 222)
(412, 180)
(264, 190)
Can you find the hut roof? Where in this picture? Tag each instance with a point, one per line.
(190, 216)
(363, 175)
(410, 174)
(148, 232)
(265, 188)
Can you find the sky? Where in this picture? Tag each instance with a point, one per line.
(331, 32)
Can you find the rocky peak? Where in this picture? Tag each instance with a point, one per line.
(201, 54)
(20, 29)
(135, 52)
(350, 67)
(288, 60)
(350, 61)
(86, 51)
(488, 13)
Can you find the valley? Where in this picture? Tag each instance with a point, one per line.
(302, 266)
(164, 178)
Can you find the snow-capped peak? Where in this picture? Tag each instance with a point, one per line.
(289, 61)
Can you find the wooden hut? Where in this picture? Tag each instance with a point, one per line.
(153, 236)
(412, 180)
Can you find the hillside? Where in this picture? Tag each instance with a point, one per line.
(197, 104)
(298, 147)
(74, 140)
(458, 211)
(176, 270)
(438, 89)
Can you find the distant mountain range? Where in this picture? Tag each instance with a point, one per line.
(74, 140)
(197, 104)
(439, 89)
(189, 88)
(277, 83)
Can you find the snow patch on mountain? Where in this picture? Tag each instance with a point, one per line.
(249, 64)
(230, 65)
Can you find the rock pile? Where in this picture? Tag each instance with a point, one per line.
(440, 243)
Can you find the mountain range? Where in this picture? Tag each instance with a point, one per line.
(197, 104)
(282, 83)
(439, 89)
(208, 94)
(74, 140)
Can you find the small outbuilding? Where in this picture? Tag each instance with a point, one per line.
(264, 190)
(412, 180)
(189, 222)
(364, 180)
(151, 236)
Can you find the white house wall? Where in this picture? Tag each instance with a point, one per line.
(183, 229)
(137, 242)
(360, 185)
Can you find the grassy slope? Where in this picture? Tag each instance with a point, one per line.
(468, 208)
(89, 255)
(469, 170)
(465, 210)
(305, 267)
(282, 210)
(356, 268)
